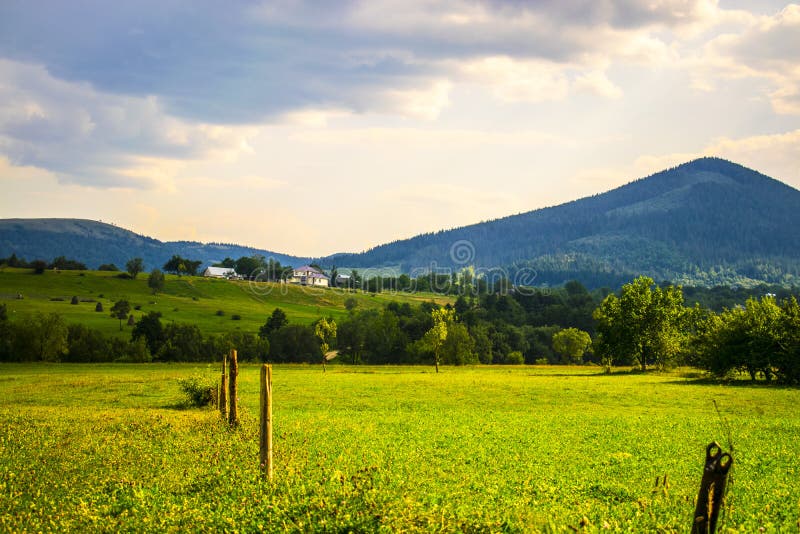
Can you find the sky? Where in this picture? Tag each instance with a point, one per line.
(314, 127)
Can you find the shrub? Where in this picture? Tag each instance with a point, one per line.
(220, 313)
(515, 358)
(236, 317)
(74, 300)
(99, 307)
(198, 389)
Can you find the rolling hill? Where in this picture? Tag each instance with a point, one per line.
(706, 222)
(95, 243)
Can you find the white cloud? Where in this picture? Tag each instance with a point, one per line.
(767, 49)
(92, 138)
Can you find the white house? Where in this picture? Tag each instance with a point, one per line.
(220, 272)
(309, 276)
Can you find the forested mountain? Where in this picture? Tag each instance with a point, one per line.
(706, 222)
(95, 243)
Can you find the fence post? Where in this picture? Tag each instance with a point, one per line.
(222, 400)
(265, 436)
(233, 376)
(711, 497)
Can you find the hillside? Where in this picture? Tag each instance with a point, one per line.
(185, 299)
(705, 222)
(95, 243)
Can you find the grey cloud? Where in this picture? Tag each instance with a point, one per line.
(92, 137)
(241, 62)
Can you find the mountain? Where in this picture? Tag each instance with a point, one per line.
(706, 222)
(95, 243)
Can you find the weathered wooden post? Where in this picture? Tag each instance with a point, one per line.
(233, 378)
(265, 436)
(223, 390)
(712, 489)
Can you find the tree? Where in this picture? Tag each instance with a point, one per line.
(325, 330)
(108, 267)
(458, 347)
(38, 266)
(571, 344)
(155, 281)
(294, 343)
(434, 339)
(350, 304)
(150, 328)
(247, 266)
(179, 265)
(120, 310)
(63, 264)
(643, 325)
(134, 267)
(41, 337)
(275, 322)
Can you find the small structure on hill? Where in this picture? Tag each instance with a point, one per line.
(220, 272)
(309, 276)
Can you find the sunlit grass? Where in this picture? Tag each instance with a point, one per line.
(389, 449)
(186, 299)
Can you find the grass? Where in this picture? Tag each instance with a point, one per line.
(389, 449)
(185, 299)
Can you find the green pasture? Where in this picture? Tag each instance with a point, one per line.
(88, 448)
(185, 299)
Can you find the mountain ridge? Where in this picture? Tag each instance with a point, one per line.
(707, 221)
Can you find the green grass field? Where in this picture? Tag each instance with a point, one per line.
(390, 449)
(186, 299)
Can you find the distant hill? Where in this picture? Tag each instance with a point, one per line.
(706, 222)
(95, 243)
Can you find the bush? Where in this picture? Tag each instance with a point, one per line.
(74, 300)
(220, 313)
(198, 389)
(236, 317)
(515, 358)
(99, 307)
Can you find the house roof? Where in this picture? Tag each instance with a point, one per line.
(307, 269)
(220, 271)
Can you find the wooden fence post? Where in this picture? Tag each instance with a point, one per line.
(265, 436)
(712, 490)
(222, 398)
(233, 378)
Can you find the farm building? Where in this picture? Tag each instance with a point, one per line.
(220, 272)
(309, 276)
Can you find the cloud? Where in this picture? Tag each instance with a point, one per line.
(252, 63)
(765, 49)
(98, 139)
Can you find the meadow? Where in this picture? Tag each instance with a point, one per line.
(390, 449)
(185, 299)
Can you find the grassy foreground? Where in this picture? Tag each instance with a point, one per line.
(109, 448)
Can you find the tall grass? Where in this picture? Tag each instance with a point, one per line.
(394, 449)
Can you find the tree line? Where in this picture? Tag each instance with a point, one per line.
(646, 325)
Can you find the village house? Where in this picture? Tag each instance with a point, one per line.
(309, 276)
